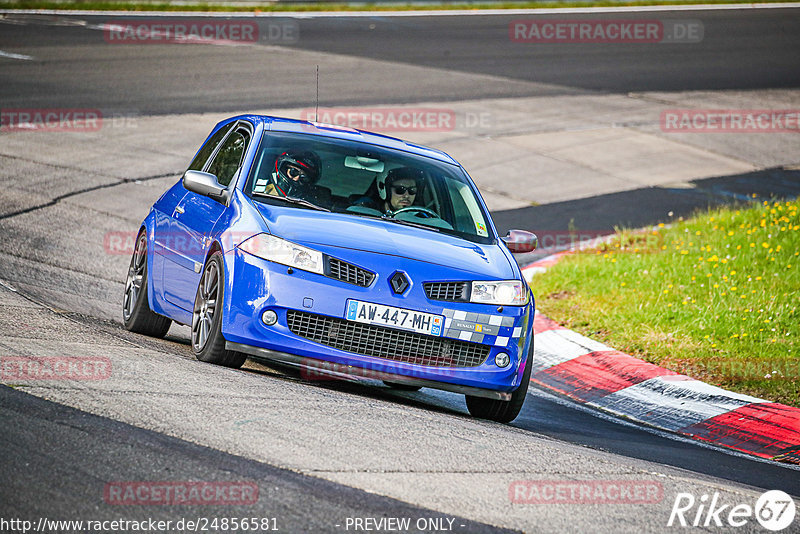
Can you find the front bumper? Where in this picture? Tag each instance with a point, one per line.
(261, 285)
(318, 369)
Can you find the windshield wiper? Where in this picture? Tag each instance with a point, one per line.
(294, 200)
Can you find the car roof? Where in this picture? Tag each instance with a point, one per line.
(282, 124)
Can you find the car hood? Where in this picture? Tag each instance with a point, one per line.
(322, 230)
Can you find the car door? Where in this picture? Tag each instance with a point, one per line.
(164, 238)
(194, 218)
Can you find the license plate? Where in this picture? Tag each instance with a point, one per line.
(414, 321)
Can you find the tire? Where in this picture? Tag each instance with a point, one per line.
(136, 313)
(208, 345)
(498, 410)
(402, 387)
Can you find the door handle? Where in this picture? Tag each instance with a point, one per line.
(179, 210)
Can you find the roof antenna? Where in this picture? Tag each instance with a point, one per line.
(316, 109)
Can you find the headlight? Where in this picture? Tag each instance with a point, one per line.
(503, 293)
(285, 252)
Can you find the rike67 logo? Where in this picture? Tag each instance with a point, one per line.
(774, 510)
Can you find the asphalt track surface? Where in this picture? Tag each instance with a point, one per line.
(57, 457)
(73, 67)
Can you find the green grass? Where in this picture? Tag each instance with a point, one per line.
(95, 5)
(714, 297)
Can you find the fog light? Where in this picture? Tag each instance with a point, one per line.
(502, 360)
(269, 317)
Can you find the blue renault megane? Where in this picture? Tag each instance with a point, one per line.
(341, 251)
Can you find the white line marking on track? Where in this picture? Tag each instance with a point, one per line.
(420, 13)
(11, 55)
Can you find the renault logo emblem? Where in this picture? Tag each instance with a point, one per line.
(399, 282)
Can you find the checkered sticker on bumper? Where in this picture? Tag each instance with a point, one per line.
(480, 327)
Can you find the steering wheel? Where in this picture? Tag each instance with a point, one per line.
(419, 209)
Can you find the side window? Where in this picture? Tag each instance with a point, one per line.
(200, 159)
(229, 157)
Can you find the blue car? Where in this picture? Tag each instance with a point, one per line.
(342, 252)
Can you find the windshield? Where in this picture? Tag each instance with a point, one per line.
(307, 171)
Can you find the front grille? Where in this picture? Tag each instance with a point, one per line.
(452, 291)
(349, 273)
(387, 343)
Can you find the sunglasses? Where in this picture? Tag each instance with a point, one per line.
(401, 190)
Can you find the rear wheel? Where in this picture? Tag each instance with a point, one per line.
(136, 313)
(499, 410)
(208, 344)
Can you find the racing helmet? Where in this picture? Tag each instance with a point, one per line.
(400, 173)
(296, 171)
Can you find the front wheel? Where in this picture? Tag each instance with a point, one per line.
(136, 313)
(208, 344)
(499, 410)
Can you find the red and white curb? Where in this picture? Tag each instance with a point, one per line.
(596, 375)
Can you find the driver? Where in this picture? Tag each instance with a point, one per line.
(399, 188)
(295, 175)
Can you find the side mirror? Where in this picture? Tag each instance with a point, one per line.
(520, 241)
(205, 184)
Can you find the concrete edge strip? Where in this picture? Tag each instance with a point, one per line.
(410, 13)
(593, 374)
